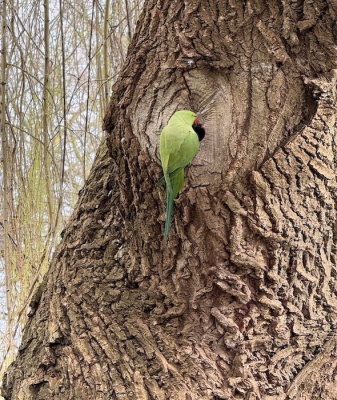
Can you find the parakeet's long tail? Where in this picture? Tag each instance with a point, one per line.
(173, 185)
(169, 208)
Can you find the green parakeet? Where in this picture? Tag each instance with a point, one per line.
(179, 143)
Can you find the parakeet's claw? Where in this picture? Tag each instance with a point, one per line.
(172, 175)
(161, 182)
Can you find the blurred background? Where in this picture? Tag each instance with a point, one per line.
(58, 63)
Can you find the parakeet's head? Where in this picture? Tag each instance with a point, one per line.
(190, 118)
(184, 115)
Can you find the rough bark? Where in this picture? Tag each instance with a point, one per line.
(240, 302)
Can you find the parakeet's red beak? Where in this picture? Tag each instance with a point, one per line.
(196, 122)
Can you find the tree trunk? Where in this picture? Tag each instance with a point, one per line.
(240, 302)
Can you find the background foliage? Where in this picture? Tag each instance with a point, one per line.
(59, 61)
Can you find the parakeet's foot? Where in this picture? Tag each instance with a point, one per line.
(172, 175)
(161, 182)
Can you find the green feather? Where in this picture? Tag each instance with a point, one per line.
(169, 208)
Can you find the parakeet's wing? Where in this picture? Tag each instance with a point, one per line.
(178, 146)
